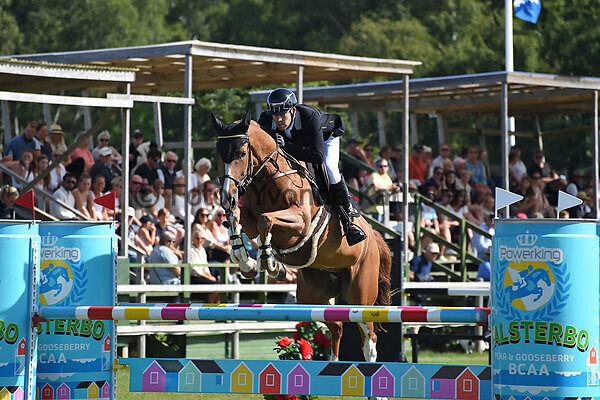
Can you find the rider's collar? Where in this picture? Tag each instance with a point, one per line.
(296, 124)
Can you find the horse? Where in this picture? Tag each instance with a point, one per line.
(530, 284)
(293, 228)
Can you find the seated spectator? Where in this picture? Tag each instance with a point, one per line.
(450, 181)
(8, 195)
(208, 198)
(386, 154)
(480, 243)
(27, 140)
(149, 169)
(463, 183)
(485, 268)
(446, 223)
(57, 139)
(156, 200)
(195, 187)
(200, 274)
(41, 134)
(516, 169)
(396, 160)
(178, 200)
(64, 194)
(57, 174)
(441, 159)
(135, 195)
(436, 181)
(350, 171)
(202, 168)
(420, 268)
(221, 235)
(103, 140)
(380, 184)
(97, 190)
(416, 166)
(201, 224)
(105, 167)
(117, 187)
(81, 158)
(576, 183)
(429, 218)
(585, 209)
(427, 160)
(541, 167)
(163, 254)
(167, 173)
(43, 163)
(167, 223)
(369, 159)
(84, 201)
(145, 237)
(25, 167)
(534, 203)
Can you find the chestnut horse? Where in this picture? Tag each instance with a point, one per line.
(279, 210)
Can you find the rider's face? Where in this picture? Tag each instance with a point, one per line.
(283, 121)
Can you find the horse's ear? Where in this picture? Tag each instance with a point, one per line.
(247, 118)
(217, 124)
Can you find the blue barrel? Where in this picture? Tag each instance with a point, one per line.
(19, 247)
(545, 286)
(78, 261)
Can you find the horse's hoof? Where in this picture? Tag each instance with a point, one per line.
(250, 274)
(281, 274)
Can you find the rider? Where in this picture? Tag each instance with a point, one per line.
(300, 132)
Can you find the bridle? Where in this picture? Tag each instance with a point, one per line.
(249, 176)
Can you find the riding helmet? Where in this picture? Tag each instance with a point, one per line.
(281, 101)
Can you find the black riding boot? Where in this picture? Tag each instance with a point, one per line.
(341, 202)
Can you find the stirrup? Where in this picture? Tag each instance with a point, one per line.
(353, 211)
(354, 234)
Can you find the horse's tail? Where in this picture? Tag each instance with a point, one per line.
(384, 297)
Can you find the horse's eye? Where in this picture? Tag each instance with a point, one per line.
(242, 154)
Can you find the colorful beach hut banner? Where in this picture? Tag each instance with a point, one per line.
(77, 267)
(312, 377)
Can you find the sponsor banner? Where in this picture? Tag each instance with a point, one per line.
(77, 264)
(544, 316)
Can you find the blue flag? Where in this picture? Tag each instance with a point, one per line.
(528, 10)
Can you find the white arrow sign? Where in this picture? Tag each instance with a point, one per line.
(565, 200)
(505, 198)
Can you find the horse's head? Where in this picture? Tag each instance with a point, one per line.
(233, 158)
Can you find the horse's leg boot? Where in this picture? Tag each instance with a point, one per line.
(341, 200)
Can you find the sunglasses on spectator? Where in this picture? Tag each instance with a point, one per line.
(103, 140)
(180, 185)
(168, 160)
(368, 149)
(205, 215)
(136, 183)
(56, 155)
(429, 194)
(439, 173)
(382, 166)
(444, 149)
(71, 182)
(159, 187)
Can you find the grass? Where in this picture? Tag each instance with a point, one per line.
(425, 356)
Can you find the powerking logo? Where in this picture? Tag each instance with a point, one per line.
(50, 251)
(529, 252)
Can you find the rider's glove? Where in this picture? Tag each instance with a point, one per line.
(280, 141)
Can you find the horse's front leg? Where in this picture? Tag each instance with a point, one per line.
(290, 221)
(239, 254)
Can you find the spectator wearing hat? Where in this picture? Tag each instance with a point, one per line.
(41, 134)
(480, 243)
(15, 147)
(577, 183)
(420, 266)
(202, 168)
(65, 195)
(81, 157)
(584, 210)
(57, 138)
(104, 166)
(103, 141)
(427, 160)
(416, 166)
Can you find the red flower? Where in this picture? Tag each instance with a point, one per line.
(322, 339)
(307, 323)
(297, 336)
(298, 325)
(305, 349)
(285, 397)
(285, 341)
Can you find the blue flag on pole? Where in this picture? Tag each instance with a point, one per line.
(528, 10)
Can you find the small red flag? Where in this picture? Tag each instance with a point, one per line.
(26, 200)
(108, 200)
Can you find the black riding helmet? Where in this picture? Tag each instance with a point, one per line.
(281, 101)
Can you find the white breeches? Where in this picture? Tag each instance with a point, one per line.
(332, 159)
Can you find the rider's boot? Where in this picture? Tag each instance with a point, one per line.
(341, 202)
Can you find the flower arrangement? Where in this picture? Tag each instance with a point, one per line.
(309, 342)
